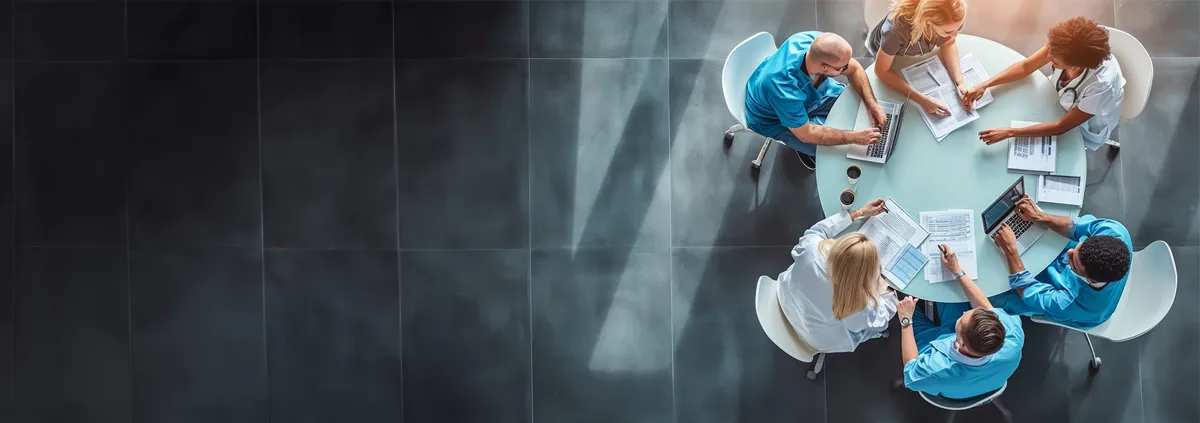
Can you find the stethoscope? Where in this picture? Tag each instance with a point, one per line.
(1072, 93)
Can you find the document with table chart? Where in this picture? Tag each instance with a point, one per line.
(1034, 155)
(930, 77)
(955, 228)
(1060, 189)
(896, 235)
(974, 74)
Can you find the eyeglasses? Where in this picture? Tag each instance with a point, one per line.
(840, 70)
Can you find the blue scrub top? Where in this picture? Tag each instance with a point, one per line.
(941, 370)
(779, 95)
(1062, 296)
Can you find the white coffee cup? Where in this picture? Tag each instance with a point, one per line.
(853, 173)
(847, 199)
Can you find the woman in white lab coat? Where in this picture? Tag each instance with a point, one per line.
(833, 294)
(1087, 77)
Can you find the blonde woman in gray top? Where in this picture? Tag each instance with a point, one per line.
(914, 28)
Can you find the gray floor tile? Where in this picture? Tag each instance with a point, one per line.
(601, 335)
(573, 29)
(710, 29)
(72, 133)
(329, 176)
(1104, 196)
(868, 372)
(1170, 384)
(598, 157)
(715, 199)
(466, 336)
(8, 368)
(68, 30)
(197, 335)
(1023, 24)
(726, 369)
(428, 30)
(192, 30)
(334, 349)
(344, 30)
(1165, 28)
(1160, 153)
(845, 19)
(194, 178)
(72, 336)
(463, 153)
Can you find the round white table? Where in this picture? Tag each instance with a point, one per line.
(958, 173)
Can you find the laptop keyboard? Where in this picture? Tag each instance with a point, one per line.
(1018, 225)
(879, 148)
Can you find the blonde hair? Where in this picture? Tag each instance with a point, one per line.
(854, 267)
(922, 15)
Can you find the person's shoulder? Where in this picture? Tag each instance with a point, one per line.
(1010, 321)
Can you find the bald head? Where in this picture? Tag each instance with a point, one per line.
(831, 48)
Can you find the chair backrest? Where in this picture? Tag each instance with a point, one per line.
(740, 64)
(962, 404)
(775, 324)
(874, 11)
(1136, 67)
(1148, 295)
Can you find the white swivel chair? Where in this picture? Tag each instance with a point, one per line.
(956, 405)
(873, 12)
(1148, 295)
(740, 64)
(1138, 70)
(775, 324)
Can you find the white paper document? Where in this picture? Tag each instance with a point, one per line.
(955, 228)
(930, 77)
(1035, 155)
(1060, 189)
(896, 235)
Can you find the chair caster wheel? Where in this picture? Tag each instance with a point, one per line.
(1095, 363)
(728, 136)
(812, 375)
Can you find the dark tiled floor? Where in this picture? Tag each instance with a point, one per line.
(494, 210)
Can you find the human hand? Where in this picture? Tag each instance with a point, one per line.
(992, 136)
(878, 116)
(950, 260)
(933, 107)
(970, 95)
(906, 307)
(872, 208)
(1028, 211)
(865, 136)
(1005, 239)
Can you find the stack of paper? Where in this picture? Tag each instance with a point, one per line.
(955, 228)
(1060, 189)
(1035, 155)
(896, 235)
(930, 77)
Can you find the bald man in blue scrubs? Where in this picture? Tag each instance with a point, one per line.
(789, 96)
(972, 352)
(1082, 287)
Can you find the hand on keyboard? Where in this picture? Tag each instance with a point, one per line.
(1030, 211)
(1005, 239)
(865, 136)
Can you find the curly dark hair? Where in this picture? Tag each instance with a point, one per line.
(984, 333)
(1105, 258)
(1079, 42)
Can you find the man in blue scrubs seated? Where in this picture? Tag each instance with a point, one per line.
(791, 92)
(971, 352)
(1082, 286)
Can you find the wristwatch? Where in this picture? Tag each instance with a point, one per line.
(905, 322)
(959, 275)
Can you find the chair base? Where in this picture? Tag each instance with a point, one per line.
(755, 164)
(1095, 362)
(818, 365)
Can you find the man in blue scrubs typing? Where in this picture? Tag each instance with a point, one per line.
(790, 94)
(1082, 286)
(973, 350)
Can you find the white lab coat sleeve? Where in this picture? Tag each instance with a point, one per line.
(1097, 98)
(876, 316)
(831, 226)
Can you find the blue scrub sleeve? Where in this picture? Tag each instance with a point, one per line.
(1089, 225)
(1044, 298)
(791, 111)
(920, 373)
(1021, 280)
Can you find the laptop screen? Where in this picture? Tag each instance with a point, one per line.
(994, 214)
